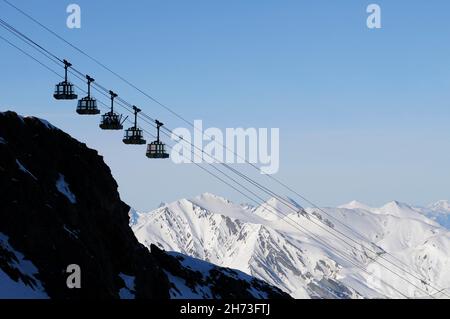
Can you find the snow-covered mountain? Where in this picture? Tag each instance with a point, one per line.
(396, 250)
(439, 212)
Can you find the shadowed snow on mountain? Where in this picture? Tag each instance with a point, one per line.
(18, 276)
(440, 206)
(308, 253)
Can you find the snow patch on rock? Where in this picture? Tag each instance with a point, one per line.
(63, 188)
(25, 285)
(128, 292)
(24, 169)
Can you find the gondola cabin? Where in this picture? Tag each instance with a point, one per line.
(111, 120)
(134, 135)
(88, 105)
(65, 90)
(157, 149)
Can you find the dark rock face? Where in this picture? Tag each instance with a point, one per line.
(59, 205)
(52, 231)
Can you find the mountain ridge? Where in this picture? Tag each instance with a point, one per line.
(297, 263)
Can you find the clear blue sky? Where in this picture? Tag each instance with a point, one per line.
(363, 114)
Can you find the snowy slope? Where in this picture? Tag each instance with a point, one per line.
(209, 273)
(308, 253)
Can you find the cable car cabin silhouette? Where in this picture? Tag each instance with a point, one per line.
(134, 135)
(88, 105)
(65, 90)
(156, 149)
(111, 120)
